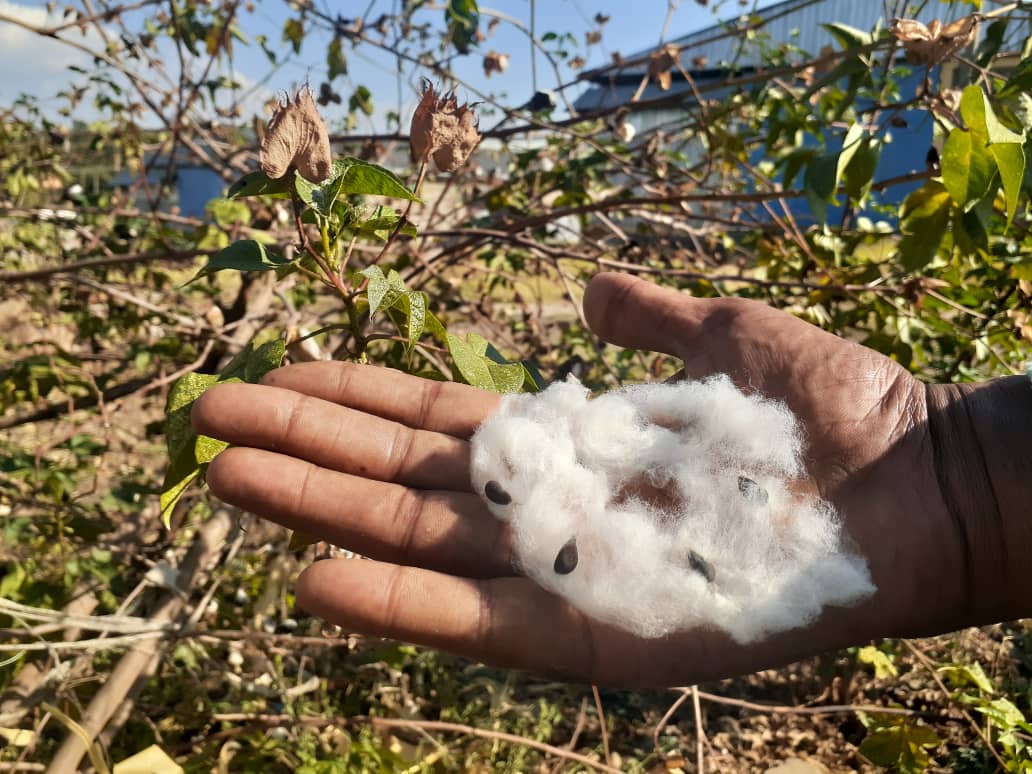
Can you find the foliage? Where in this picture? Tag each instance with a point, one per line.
(114, 307)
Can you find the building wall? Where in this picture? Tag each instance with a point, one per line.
(797, 23)
(197, 186)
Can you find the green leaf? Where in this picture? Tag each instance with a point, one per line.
(967, 168)
(992, 40)
(228, 213)
(294, 31)
(414, 303)
(883, 666)
(858, 175)
(959, 675)
(355, 176)
(462, 18)
(188, 452)
(435, 327)
(819, 183)
(1002, 711)
(978, 114)
(336, 63)
(471, 365)
(1020, 80)
(1010, 160)
(361, 100)
(311, 193)
(244, 255)
(181, 439)
(901, 747)
(260, 184)
(263, 359)
(382, 291)
(478, 364)
(851, 144)
(507, 378)
(848, 37)
(923, 219)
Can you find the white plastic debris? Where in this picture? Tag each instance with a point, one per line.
(664, 507)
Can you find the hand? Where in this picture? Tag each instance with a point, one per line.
(378, 462)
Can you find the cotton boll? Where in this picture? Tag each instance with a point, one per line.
(658, 508)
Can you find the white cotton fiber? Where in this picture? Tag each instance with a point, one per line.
(663, 507)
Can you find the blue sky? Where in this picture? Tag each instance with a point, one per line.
(40, 66)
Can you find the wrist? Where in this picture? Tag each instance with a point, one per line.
(981, 437)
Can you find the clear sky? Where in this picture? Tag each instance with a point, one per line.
(39, 66)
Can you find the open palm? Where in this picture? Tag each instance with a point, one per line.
(378, 462)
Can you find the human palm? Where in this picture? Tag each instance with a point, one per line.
(378, 461)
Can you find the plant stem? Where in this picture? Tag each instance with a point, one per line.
(358, 351)
(401, 221)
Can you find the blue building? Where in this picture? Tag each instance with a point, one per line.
(194, 183)
(737, 48)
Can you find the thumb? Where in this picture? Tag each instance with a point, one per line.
(637, 314)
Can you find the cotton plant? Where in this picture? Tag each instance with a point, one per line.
(328, 200)
(663, 507)
(656, 508)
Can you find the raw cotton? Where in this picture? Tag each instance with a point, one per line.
(665, 507)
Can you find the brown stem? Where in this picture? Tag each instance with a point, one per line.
(401, 221)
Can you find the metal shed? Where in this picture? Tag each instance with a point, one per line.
(738, 43)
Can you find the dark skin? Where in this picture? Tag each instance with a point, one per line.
(378, 461)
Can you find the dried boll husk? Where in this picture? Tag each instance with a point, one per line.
(933, 43)
(495, 62)
(443, 130)
(297, 138)
(661, 62)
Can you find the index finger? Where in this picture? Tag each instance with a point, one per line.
(423, 404)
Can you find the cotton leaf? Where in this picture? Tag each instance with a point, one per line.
(1010, 160)
(242, 255)
(924, 216)
(188, 452)
(967, 168)
(259, 184)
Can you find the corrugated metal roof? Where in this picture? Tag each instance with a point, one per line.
(799, 23)
(710, 52)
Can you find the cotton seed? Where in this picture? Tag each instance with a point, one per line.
(566, 559)
(752, 490)
(493, 491)
(701, 566)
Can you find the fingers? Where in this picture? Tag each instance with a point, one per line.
(449, 531)
(513, 623)
(332, 436)
(631, 312)
(744, 339)
(441, 407)
(507, 622)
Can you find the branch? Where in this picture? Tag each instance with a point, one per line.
(421, 725)
(127, 259)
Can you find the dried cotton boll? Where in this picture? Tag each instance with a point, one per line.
(297, 137)
(933, 43)
(443, 130)
(495, 62)
(660, 508)
(661, 62)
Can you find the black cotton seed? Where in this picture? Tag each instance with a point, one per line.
(701, 566)
(566, 559)
(752, 490)
(494, 492)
